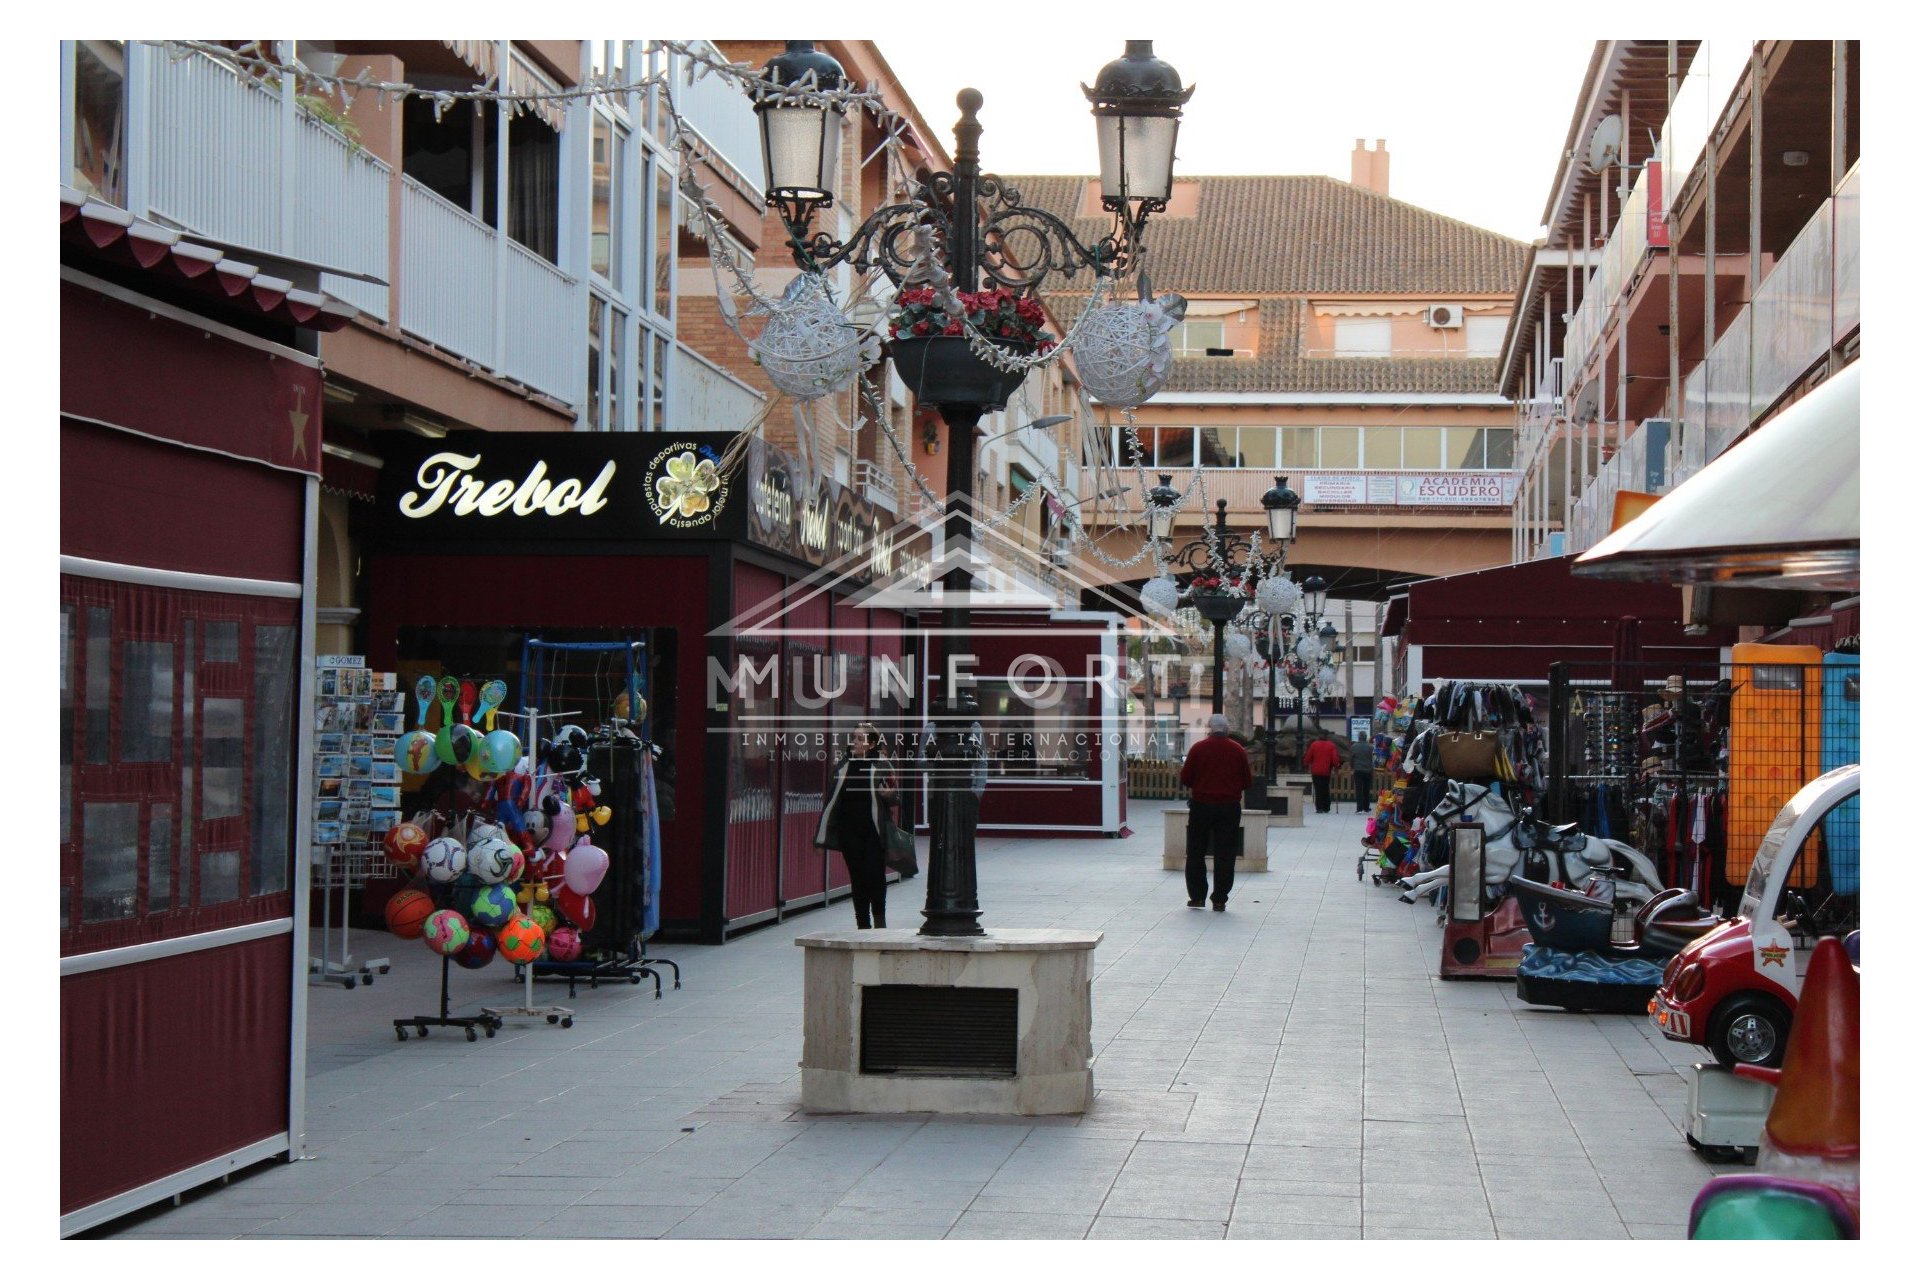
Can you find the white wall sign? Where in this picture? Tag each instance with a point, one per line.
(1440, 488)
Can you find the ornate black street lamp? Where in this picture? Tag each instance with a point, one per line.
(979, 228)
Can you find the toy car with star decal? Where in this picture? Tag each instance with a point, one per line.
(1735, 988)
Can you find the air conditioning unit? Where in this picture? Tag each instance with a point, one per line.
(1445, 316)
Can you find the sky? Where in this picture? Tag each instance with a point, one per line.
(1475, 115)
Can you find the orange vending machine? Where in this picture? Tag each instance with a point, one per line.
(1774, 748)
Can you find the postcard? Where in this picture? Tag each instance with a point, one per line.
(360, 766)
(387, 797)
(386, 770)
(388, 722)
(332, 766)
(329, 684)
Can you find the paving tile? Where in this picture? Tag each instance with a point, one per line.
(1239, 1229)
(977, 1224)
(846, 1223)
(1115, 1227)
(1260, 1201)
(620, 1222)
(1136, 1195)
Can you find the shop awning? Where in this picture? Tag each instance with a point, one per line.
(113, 233)
(1780, 509)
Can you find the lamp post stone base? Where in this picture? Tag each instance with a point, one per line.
(917, 1061)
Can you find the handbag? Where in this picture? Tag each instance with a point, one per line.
(1467, 755)
(900, 854)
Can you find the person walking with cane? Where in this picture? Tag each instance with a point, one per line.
(1217, 774)
(854, 821)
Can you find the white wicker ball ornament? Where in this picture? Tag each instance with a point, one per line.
(1161, 596)
(1277, 595)
(1124, 353)
(1238, 647)
(809, 349)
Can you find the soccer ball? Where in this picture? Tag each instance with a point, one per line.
(521, 941)
(564, 944)
(491, 907)
(444, 860)
(491, 860)
(446, 932)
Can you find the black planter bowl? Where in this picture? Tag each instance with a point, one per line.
(944, 370)
(1218, 607)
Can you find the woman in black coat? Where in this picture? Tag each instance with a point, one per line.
(854, 821)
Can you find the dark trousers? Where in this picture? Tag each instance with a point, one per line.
(1363, 796)
(1322, 792)
(1214, 827)
(867, 869)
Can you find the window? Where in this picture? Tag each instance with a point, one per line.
(1421, 447)
(609, 147)
(596, 359)
(1382, 447)
(662, 351)
(659, 179)
(616, 369)
(1485, 334)
(1466, 449)
(1172, 447)
(1195, 337)
(100, 119)
(1363, 336)
(454, 156)
(178, 722)
(533, 185)
(1500, 448)
(1217, 447)
(1339, 447)
(1299, 447)
(1259, 447)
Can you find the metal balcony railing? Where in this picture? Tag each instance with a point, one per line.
(706, 395)
(876, 483)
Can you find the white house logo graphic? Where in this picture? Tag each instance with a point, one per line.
(849, 644)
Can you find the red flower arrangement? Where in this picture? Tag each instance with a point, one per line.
(1214, 584)
(993, 313)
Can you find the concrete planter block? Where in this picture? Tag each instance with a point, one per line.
(1254, 824)
(1051, 969)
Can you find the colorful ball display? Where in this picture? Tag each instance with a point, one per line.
(444, 860)
(456, 744)
(491, 860)
(415, 752)
(477, 954)
(491, 906)
(500, 750)
(446, 932)
(407, 912)
(544, 916)
(404, 843)
(521, 940)
(564, 943)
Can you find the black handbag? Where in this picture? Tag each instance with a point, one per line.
(901, 855)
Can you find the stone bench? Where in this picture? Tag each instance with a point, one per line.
(1253, 840)
(1290, 801)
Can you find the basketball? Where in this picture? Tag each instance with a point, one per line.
(407, 911)
(521, 941)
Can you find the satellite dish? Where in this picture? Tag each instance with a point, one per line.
(1603, 149)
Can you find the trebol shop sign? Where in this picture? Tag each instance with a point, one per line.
(501, 488)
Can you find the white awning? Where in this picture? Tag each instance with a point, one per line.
(522, 76)
(1398, 307)
(1217, 307)
(1779, 509)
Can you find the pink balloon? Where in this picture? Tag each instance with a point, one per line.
(586, 867)
(561, 833)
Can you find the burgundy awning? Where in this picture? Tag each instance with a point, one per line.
(113, 233)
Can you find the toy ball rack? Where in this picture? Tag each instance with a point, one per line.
(485, 1020)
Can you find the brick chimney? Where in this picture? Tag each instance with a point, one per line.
(1370, 167)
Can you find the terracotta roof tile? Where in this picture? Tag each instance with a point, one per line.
(1286, 240)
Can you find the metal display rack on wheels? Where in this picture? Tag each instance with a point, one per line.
(621, 758)
(486, 1019)
(345, 869)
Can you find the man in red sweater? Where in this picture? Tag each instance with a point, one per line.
(1322, 759)
(1216, 774)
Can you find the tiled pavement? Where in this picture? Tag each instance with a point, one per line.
(1291, 1068)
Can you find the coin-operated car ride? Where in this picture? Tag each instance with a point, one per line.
(1734, 989)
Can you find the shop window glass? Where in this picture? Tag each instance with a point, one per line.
(66, 723)
(146, 702)
(186, 764)
(100, 119)
(1216, 447)
(1383, 447)
(219, 877)
(109, 862)
(1026, 740)
(1422, 445)
(271, 823)
(1259, 447)
(223, 642)
(1299, 447)
(160, 858)
(1339, 447)
(222, 757)
(99, 684)
(1500, 448)
(1466, 449)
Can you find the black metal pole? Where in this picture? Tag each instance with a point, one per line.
(1273, 705)
(953, 894)
(1219, 667)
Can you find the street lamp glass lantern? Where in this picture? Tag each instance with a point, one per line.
(799, 141)
(1316, 589)
(1136, 110)
(1161, 500)
(1283, 511)
(1328, 633)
